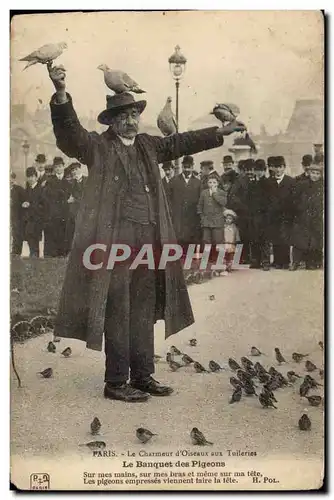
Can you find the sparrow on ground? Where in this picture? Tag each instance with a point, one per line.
(321, 345)
(244, 377)
(67, 352)
(197, 437)
(309, 366)
(270, 394)
(233, 364)
(259, 368)
(249, 389)
(47, 373)
(187, 360)
(144, 435)
(95, 445)
(250, 371)
(212, 297)
(297, 356)
(199, 368)
(95, 426)
(236, 396)
(314, 400)
(51, 347)
(235, 383)
(255, 351)
(272, 385)
(293, 376)
(214, 367)
(175, 350)
(279, 358)
(304, 388)
(266, 400)
(174, 365)
(193, 342)
(304, 423)
(311, 381)
(263, 377)
(246, 363)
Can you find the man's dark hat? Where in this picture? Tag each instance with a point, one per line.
(40, 158)
(168, 165)
(118, 102)
(279, 161)
(188, 160)
(270, 161)
(260, 164)
(30, 171)
(241, 164)
(249, 164)
(228, 159)
(306, 160)
(73, 166)
(206, 163)
(57, 160)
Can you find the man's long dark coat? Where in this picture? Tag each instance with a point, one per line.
(280, 209)
(81, 313)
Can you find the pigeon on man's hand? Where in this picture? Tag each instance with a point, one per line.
(119, 81)
(45, 54)
(225, 112)
(165, 121)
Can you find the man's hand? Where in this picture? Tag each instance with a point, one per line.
(57, 74)
(230, 128)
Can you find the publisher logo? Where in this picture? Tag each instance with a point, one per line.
(40, 481)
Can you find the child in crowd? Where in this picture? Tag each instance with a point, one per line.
(231, 237)
(307, 234)
(211, 211)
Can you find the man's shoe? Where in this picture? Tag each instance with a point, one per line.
(152, 387)
(125, 393)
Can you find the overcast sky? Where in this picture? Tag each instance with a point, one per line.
(262, 61)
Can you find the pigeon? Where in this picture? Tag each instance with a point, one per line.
(45, 54)
(212, 297)
(175, 350)
(266, 400)
(236, 396)
(225, 112)
(255, 351)
(246, 363)
(193, 342)
(95, 445)
(304, 423)
(249, 389)
(199, 368)
(235, 382)
(233, 364)
(214, 367)
(119, 81)
(144, 435)
(309, 366)
(95, 426)
(187, 360)
(174, 365)
(311, 381)
(321, 345)
(165, 121)
(67, 352)
(51, 347)
(297, 357)
(303, 389)
(47, 373)
(269, 393)
(314, 400)
(197, 437)
(292, 376)
(279, 357)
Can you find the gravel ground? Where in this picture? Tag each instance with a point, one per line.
(49, 418)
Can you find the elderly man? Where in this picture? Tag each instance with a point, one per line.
(123, 202)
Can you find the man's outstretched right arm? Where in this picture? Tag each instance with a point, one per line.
(72, 139)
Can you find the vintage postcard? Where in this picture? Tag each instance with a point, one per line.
(167, 251)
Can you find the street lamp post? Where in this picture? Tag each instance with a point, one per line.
(177, 66)
(25, 147)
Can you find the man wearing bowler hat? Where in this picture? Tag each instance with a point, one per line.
(208, 169)
(306, 162)
(40, 164)
(123, 202)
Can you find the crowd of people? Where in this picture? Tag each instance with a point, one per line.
(253, 203)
